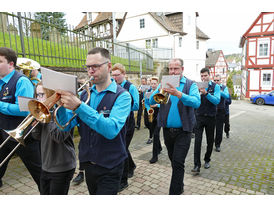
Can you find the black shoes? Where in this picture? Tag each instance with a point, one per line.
(122, 186)
(138, 128)
(218, 149)
(227, 135)
(1, 183)
(207, 165)
(153, 160)
(79, 178)
(195, 170)
(149, 141)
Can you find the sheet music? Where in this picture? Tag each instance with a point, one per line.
(145, 88)
(202, 85)
(58, 80)
(148, 94)
(174, 80)
(23, 103)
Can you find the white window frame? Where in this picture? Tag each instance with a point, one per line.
(148, 44)
(265, 82)
(260, 51)
(180, 41)
(155, 43)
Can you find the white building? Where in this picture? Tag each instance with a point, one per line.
(168, 35)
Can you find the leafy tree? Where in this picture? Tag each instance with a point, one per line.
(52, 20)
(230, 86)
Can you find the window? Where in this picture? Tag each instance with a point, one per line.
(197, 44)
(266, 79)
(180, 41)
(154, 43)
(142, 23)
(148, 44)
(263, 49)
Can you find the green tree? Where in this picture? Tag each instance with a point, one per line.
(230, 86)
(52, 20)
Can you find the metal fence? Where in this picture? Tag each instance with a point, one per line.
(53, 46)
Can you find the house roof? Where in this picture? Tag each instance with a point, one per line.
(102, 16)
(166, 23)
(200, 34)
(212, 57)
(82, 23)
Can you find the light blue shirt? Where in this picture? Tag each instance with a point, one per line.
(216, 97)
(110, 126)
(24, 88)
(135, 95)
(193, 99)
(225, 93)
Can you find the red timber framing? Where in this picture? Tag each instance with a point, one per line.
(260, 32)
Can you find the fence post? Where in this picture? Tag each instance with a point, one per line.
(128, 51)
(21, 34)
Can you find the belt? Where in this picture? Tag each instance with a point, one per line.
(174, 130)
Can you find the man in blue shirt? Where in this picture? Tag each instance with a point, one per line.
(12, 85)
(220, 116)
(177, 119)
(119, 73)
(205, 115)
(101, 124)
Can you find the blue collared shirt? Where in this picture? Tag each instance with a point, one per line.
(135, 95)
(108, 127)
(225, 93)
(193, 99)
(24, 88)
(216, 97)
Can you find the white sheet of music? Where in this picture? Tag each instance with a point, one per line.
(58, 80)
(23, 103)
(202, 85)
(174, 80)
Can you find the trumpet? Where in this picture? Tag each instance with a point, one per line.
(150, 114)
(86, 85)
(162, 97)
(143, 104)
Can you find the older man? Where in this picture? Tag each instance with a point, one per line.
(177, 119)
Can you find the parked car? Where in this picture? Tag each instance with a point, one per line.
(261, 99)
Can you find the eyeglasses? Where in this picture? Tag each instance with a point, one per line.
(115, 75)
(40, 95)
(216, 80)
(94, 67)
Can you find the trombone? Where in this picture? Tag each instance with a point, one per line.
(39, 112)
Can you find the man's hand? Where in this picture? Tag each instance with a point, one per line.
(69, 100)
(154, 105)
(202, 91)
(173, 91)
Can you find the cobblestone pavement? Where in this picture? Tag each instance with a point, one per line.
(244, 166)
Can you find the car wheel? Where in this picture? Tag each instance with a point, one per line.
(260, 101)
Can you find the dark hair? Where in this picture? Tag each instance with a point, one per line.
(144, 78)
(104, 52)
(178, 59)
(9, 54)
(203, 70)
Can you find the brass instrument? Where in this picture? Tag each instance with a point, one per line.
(27, 66)
(150, 113)
(86, 84)
(162, 97)
(143, 104)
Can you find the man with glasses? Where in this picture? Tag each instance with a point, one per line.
(205, 115)
(220, 116)
(118, 74)
(101, 125)
(178, 119)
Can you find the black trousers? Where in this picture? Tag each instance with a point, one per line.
(139, 115)
(207, 123)
(55, 183)
(103, 181)
(157, 147)
(220, 119)
(227, 124)
(177, 144)
(129, 164)
(146, 122)
(29, 154)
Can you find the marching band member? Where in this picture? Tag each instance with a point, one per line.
(12, 85)
(118, 74)
(102, 151)
(57, 153)
(141, 97)
(177, 119)
(206, 116)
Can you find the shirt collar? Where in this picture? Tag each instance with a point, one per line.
(123, 83)
(8, 77)
(112, 87)
(183, 80)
